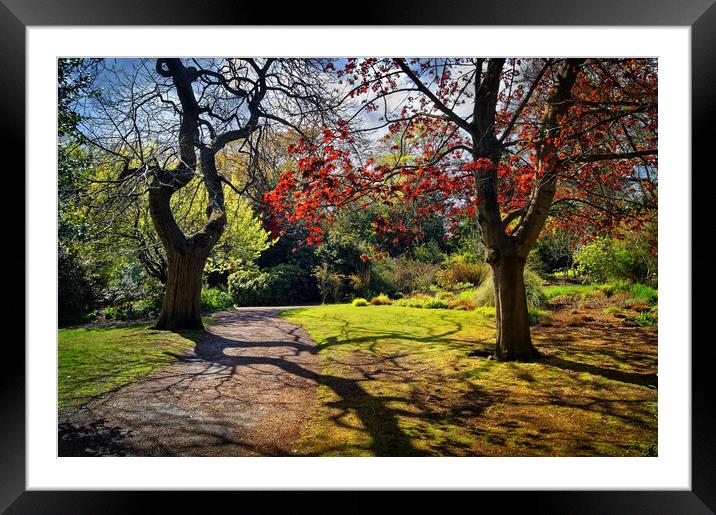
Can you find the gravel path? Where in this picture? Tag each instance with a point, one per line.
(246, 390)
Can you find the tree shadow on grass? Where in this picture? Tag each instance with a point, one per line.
(634, 378)
(379, 420)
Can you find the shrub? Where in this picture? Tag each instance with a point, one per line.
(435, 304)
(485, 294)
(535, 316)
(381, 300)
(536, 298)
(283, 284)
(463, 300)
(140, 309)
(78, 288)
(289, 284)
(117, 313)
(249, 287)
(617, 286)
(428, 252)
(215, 299)
(146, 308)
(458, 271)
(569, 273)
(645, 293)
(606, 259)
(645, 318)
(554, 250)
(402, 275)
(330, 284)
(637, 305)
(359, 302)
(414, 301)
(360, 282)
(594, 294)
(412, 275)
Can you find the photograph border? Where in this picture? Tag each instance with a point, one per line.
(17, 15)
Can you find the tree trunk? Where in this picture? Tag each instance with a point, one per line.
(511, 316)
(182, 298)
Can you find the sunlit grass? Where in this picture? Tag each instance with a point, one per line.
(402, 381)
(95, 361)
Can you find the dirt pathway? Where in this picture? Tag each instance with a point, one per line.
(246, 390)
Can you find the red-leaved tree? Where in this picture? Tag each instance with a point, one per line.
(507, 141)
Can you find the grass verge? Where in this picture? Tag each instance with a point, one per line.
(95, 361)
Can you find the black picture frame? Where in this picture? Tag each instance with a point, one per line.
(700, 15)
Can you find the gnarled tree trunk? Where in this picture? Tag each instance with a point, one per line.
(186, 257)
(182, 298)
(187, 254)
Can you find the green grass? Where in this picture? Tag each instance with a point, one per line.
(645, 318)
(645, 293)
(95, 361)
(569, 290)
(640, 292)
(401, 381)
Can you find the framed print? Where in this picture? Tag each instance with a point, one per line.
(313, 169)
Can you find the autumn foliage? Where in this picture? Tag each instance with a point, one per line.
(601, 152)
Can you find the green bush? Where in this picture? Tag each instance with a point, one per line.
(412, 275)
(459, 270)
(289, 284)
(360, 282)
(536, 298)
(381, 300)
(429, 252)
(79, 288)
(608, 259)
(417, 300)
(645, 318)
(118, 313)
(401, 275)
(281, 285)
(359, 302)
(215, 299)
(569, 273)
(330, 284)
(463, 300)
(146, 308)
(644, 292)
(535, 316)
(435, 304)
(250, 287)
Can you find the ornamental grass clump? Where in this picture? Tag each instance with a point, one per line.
(381, 300)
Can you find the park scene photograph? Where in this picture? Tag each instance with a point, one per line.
(357, 256)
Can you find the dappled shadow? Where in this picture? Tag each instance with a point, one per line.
(249, 387)
(607, 373)
(380, 422)
(372, 334)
